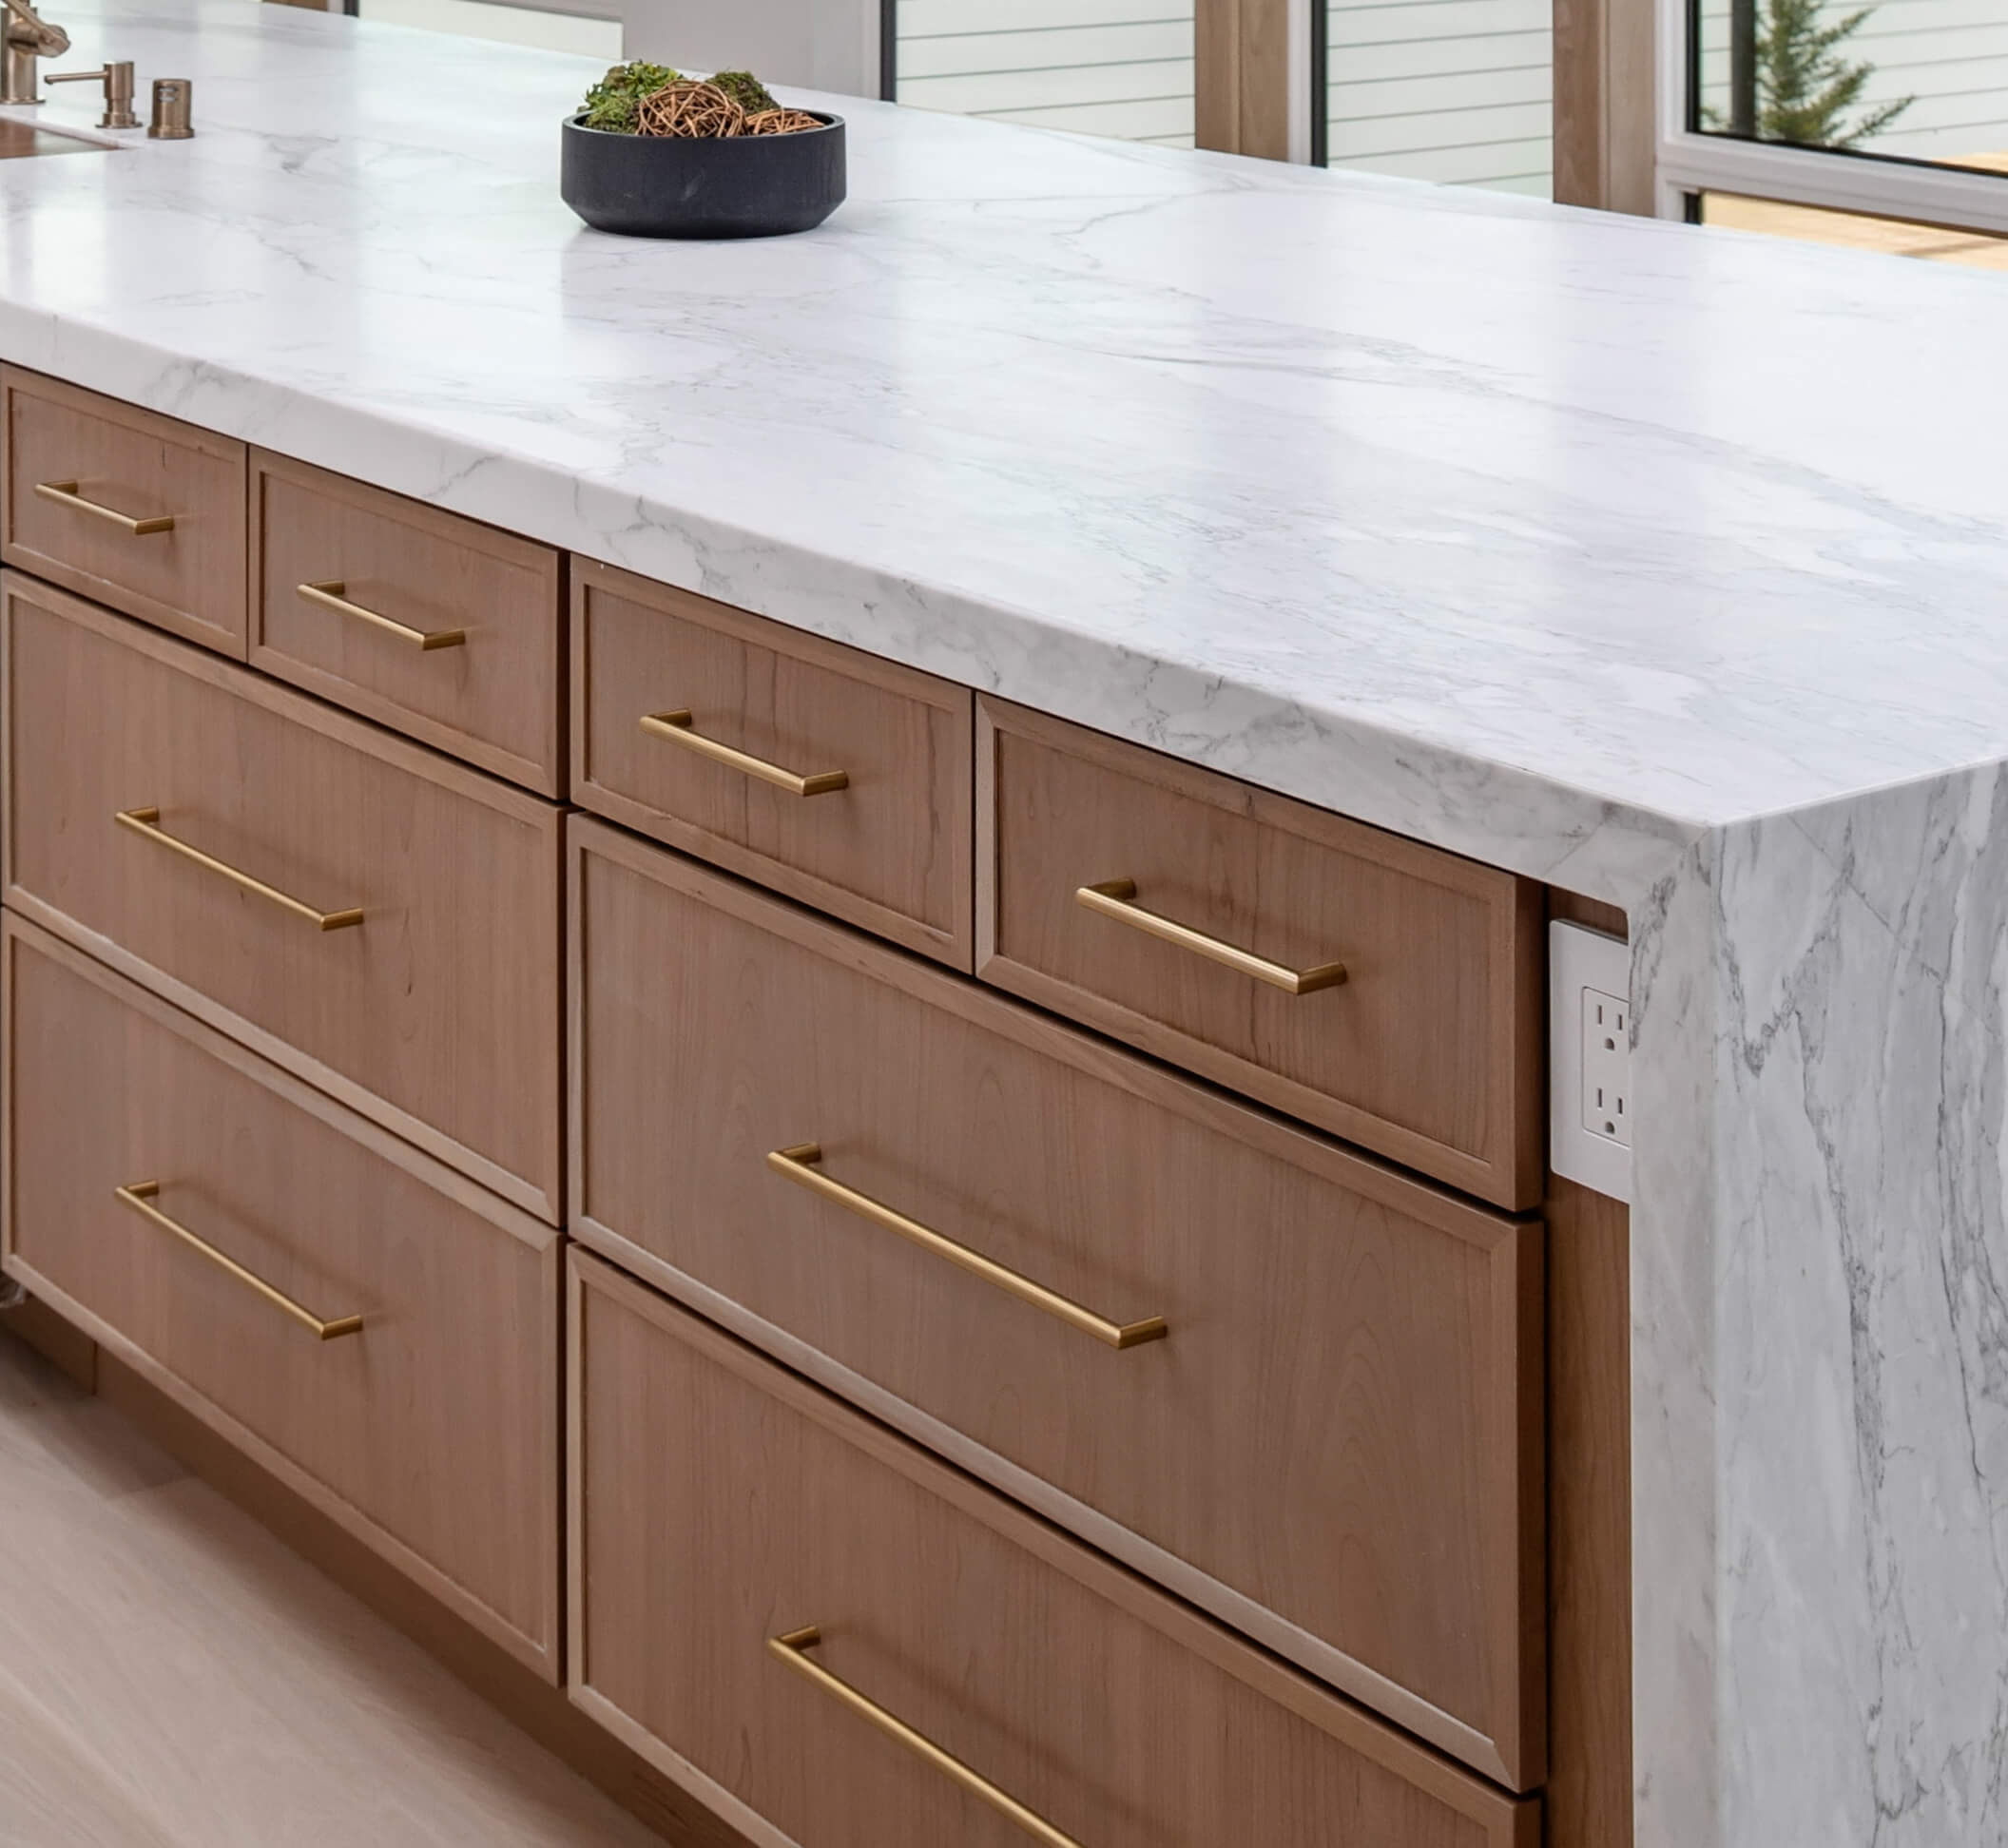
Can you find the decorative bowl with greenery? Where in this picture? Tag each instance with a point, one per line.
(653, 153)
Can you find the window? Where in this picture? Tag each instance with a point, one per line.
(1456, 90)
(1922, 78)
(1122, 67)
(1459, 90)
(1887, 110)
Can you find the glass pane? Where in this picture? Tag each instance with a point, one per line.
(1119, 68)
(512, 25)
(1925, 80)
(1458, 91)
(1855, 231)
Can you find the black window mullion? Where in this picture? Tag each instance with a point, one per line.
(1321, 83)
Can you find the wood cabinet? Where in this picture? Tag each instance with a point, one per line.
(1009, 1375)
(1385, 991)
(438, 626)
(1335, 1442)
(838, 779)
(720, 1505)
(138, 510)
(254, 818)
(430, 1431)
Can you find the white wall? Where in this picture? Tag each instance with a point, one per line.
(830, 45)
(509, 23)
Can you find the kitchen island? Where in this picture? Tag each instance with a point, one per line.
(1659, 566)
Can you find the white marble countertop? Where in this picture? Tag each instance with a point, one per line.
(1668, 565)
(1550, 535)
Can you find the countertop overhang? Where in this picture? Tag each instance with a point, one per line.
(1552, 536)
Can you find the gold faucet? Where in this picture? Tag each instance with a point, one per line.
(27, 39)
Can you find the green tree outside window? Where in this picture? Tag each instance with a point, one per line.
(1789, 80)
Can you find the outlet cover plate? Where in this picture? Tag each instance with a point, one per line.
(1581, 962)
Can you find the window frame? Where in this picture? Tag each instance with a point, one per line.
(1877, 185)
(1251, 61)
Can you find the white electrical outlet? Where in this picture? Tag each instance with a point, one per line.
(1607, 1067)
(1589, 1104)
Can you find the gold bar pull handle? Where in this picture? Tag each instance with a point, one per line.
(677, 727)
(793, 1648)
(141, 1195)
(800, 1165)
(333, 595)
(1117, 898)
(65, 493)
(145, 823)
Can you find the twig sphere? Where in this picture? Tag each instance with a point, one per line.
(780, 121)
(690, 112)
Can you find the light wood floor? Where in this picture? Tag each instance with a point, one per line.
(173, 1677)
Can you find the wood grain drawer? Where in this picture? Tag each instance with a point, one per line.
(1428, 1050)
(430, 1433)
(1336, 1445)
(136, 468)
(466, 654)
(438, 1014)
(718, 1502)
(889, 851)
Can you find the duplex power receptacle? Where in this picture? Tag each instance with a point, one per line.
(1606, 1102)
(1591, 1112)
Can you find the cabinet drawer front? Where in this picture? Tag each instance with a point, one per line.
(437, 1012)
(1428, 1049)
(1335, 1443)
(429, 1430)
(465, 646)
(889, 850)
(718, 1503)
(88, 482)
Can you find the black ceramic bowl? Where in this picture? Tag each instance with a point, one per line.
(737, 186)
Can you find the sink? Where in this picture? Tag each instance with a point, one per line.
(19, 139)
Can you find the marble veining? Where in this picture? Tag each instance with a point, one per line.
(1366, 490)
(1822, 1361)
(1667, 565)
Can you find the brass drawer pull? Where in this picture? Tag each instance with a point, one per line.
(1117, 898)
(676, 728)
(800, 1165)
(144, 823)
(64, 495)
(140, 1196)
(794, 1648)
(330, 596)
